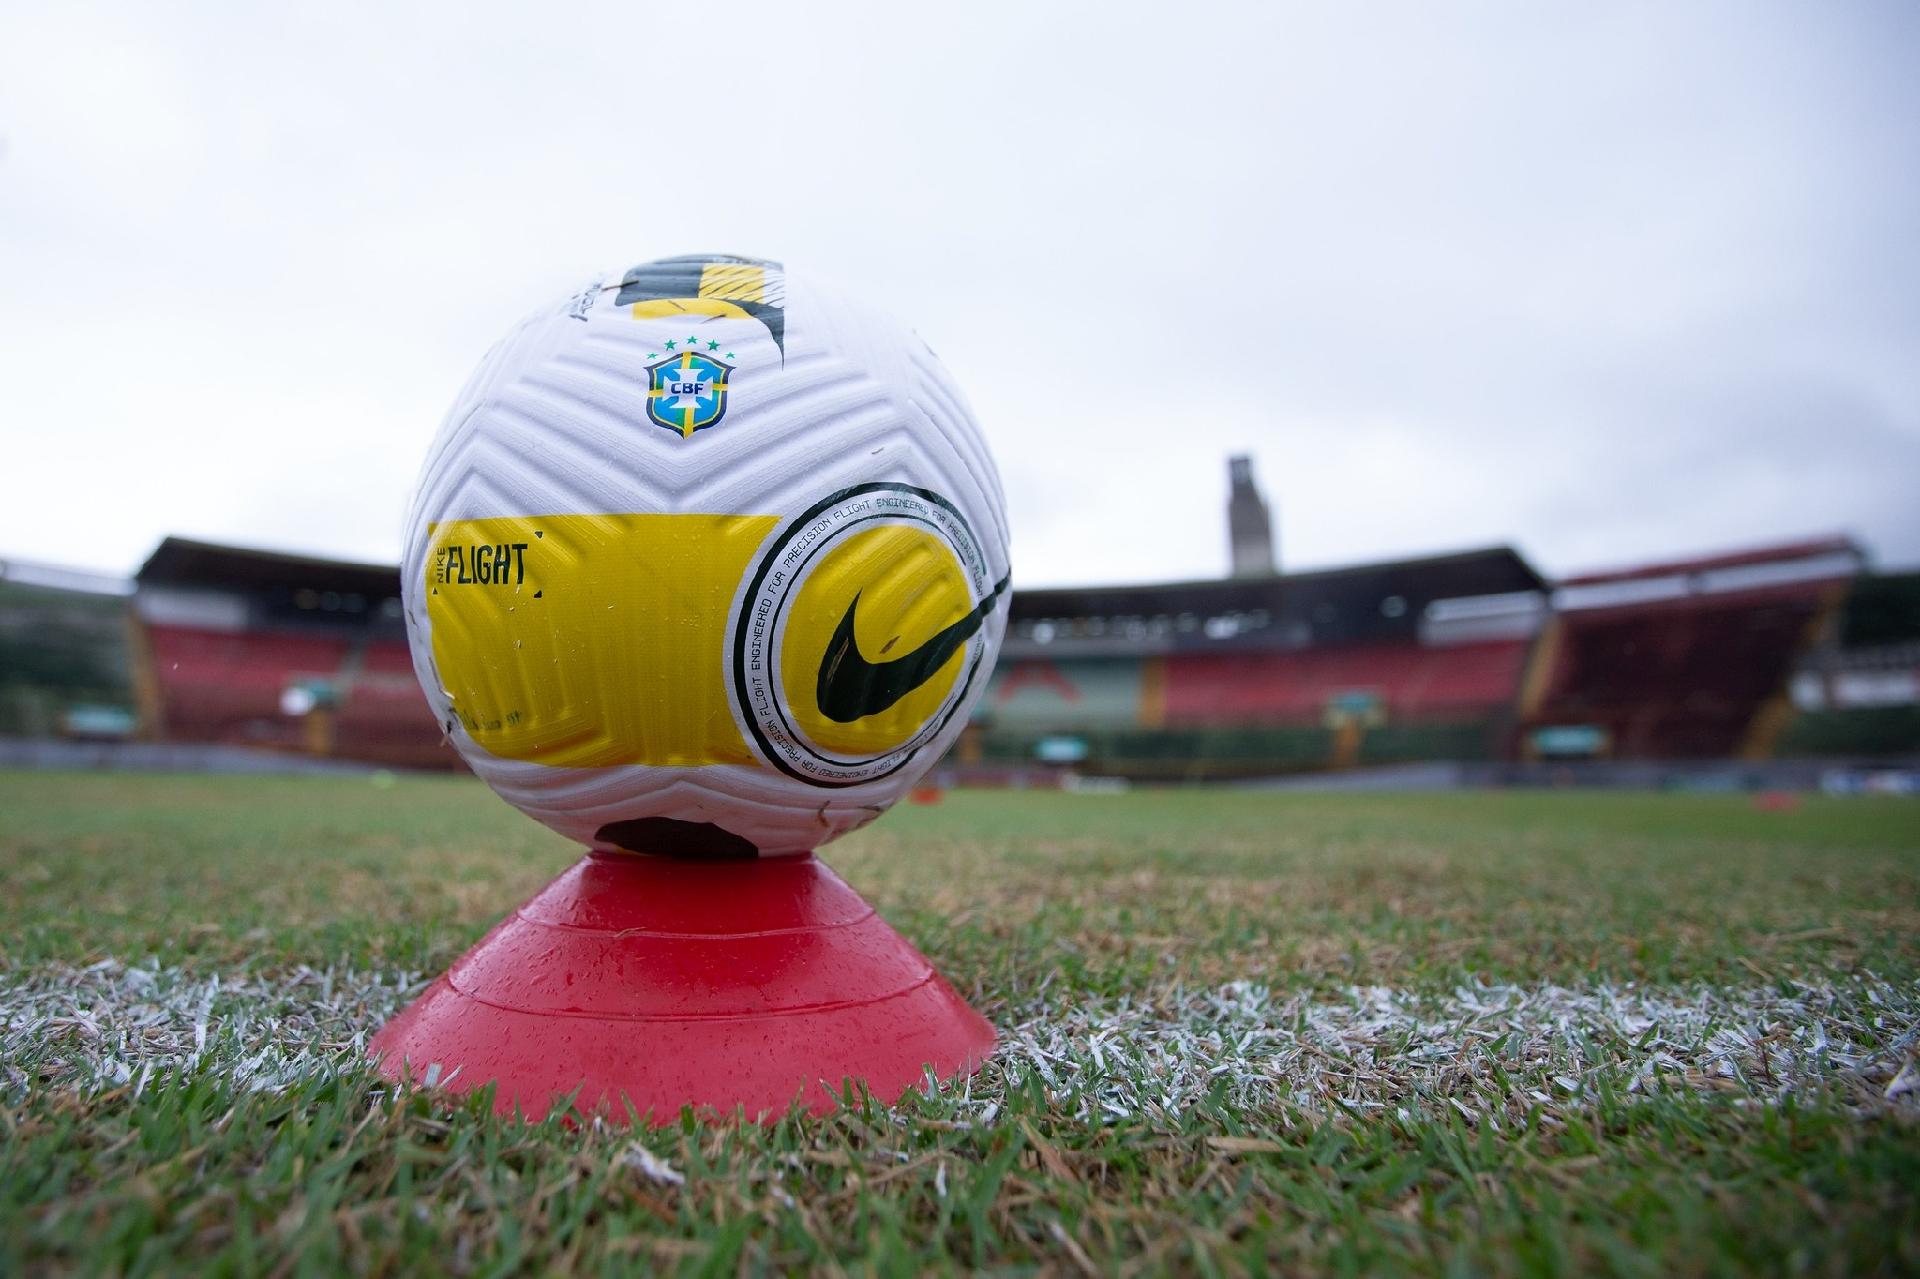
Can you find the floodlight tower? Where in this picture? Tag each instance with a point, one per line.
(1249, 527)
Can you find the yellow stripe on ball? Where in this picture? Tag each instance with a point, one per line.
(587, 641)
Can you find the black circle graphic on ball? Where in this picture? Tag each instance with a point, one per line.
(849, 684)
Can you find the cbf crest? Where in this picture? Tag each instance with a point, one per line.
(688, 392)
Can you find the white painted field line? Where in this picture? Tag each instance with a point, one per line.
(1487, 1053)
(109, 1025)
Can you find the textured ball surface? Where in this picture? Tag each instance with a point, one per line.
(706, 561)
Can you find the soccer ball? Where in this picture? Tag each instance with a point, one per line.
(708, 561)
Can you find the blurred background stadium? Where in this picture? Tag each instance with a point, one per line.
(1790, 664)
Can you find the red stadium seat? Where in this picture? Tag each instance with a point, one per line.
(225, 687)
(1679, 678)
(1413, 682)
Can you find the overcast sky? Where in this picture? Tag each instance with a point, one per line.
(1603, 281)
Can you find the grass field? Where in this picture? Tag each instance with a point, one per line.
(1505, 1033)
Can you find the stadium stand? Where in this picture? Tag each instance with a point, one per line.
(1857, 694)
(64, 666)
(1267, 673)
(253, 648)
(1687, 659)
(1791, 650)
(1410, 681)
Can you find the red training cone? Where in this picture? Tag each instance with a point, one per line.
(653, 984)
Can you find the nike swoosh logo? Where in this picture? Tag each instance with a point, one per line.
(852, 688)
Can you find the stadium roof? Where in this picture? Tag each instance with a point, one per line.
(1363, 603)
(1750, 557)
(58, 577)
(179, 561)
(1497, 570)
